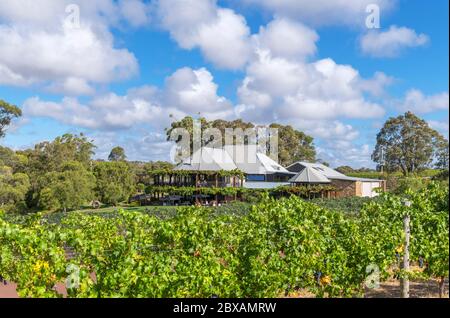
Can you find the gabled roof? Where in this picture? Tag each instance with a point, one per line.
(246, 158)
(249, 160)
(309, 175)
(327, 172)
(208, 159)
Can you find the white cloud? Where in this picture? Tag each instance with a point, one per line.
(324, 12)
(336, 142)
(278, 89)
(40, 46)
(72, 53)
(108, 112)
(441, 126)
(139, 145)
(50, 14)
(288, 39)
(376, 85)
(390, 43)
(418, 102)
(8, 77)
(345, 154)
(335, 130)
(135, 12)
(221, 34)
(72, 86)
(194, 91)
(187, 92)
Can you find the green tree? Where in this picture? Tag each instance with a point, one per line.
(13, 190)
(117, 154)
(68, 189)
(442, 154)
(7, 113)
(52, 156)
(293, 145)
(47, 157)
(187, 124)
(406, 143)
(345, 169)
(115, 182)
(158, 165)
(15, 160)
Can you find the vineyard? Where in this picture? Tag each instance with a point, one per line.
(275, 249)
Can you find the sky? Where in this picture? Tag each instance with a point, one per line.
(120, 71)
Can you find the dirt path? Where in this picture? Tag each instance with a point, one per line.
(418, 289)
(389, 289)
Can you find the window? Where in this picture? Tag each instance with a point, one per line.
(256, 177)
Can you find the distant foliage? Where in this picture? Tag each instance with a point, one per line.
(409, 144)
(117, 154)
(68, 189)
(7, 113)
(351, 205)
(13, 190)
(115, 182)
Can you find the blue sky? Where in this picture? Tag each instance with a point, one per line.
(126, 66)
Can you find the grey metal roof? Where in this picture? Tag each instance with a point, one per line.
(246, 158)
(330, 173)
(208, 159)
(309, 175)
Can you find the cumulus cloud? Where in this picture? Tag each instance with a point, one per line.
(40, 45)
(416, 101)
(106, 112)
(323, 12)
(337, 142)
(376, 86)
(186, 92)
(288, 39)
(71, 86)
(139, 145)
(50, 14)
(221, 34)
(72, 53)
(135, 12)
(390, 43)
(342, 153)
(276, 88)
(194, 91)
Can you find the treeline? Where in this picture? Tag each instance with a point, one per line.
(61, 175)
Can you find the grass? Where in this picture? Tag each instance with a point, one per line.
(162, 212)
(349, 206)
(426, 173)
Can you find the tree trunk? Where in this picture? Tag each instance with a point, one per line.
(441, 287)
